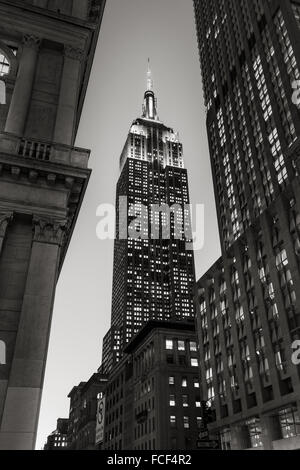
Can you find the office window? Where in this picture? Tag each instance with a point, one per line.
(172, 401)
(169, 344)
(289, 423)
(194, 362)
(225, 438)
(185, 401)
(193, 346)
(173, 421)
(181, 346)
(184, 382)
(171, 380)
(255, 432)
(4, 65)
(196, 383)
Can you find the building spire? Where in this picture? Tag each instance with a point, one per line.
(149, 78)
(149, 108)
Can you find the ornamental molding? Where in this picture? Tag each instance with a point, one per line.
(31, 41)
(73, 52)
(47, 230)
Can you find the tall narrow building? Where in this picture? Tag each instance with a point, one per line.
(153, 274)
(46, 53)
(248, 303)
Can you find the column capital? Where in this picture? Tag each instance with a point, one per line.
(32, 41)
(47, 230)
(5, 219)
(73, 52)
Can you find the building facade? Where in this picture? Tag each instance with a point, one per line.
(153, 393)
(46, 53)
(153, 258)
(248, 303)
(58, 440)
(83, 412)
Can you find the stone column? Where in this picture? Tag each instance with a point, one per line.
(22, 403)
(5, 218)
(67, 106)
(20, 101)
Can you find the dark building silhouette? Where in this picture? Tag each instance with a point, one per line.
(153, 393)
(58, 440)
(83, 412)
(248, 303)
(153, 258)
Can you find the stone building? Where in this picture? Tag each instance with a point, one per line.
(46, 53)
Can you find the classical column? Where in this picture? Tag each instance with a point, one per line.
(67, 106)
(19, 105)
(5, 218)
(22, 403)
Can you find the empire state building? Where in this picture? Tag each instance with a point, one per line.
(153, 276)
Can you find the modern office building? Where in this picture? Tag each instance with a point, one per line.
(153, 393)
(248, 303)
(83, 412)
(153, 274)
(58, 440)
(46, 53)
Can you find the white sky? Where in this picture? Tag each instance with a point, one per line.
(132, 31)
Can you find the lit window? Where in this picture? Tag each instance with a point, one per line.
(255, 432)
(184, 382)
(173, 421)
(172, 400)
(185, 401)
(169, 344)
(4, 65)
(186, 422)
(193, 346)
(194, 362)
(289, 423)
(181, 346)
(171, 380)
(196, 383)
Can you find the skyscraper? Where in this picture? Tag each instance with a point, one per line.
(46, 54)
(248, 303)
(153, 275)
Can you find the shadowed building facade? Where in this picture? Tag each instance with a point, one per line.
(83, 412)
(248, 303)
(58, 439)
(46, 54)
(153, 393)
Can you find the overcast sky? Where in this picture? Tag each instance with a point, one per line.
(132, 31)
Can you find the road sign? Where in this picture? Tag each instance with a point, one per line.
(207, 444)
(100, 420)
